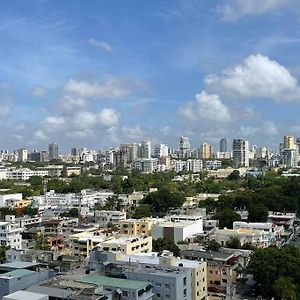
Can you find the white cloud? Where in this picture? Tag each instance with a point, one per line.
(39, 91)
(257, 76)
(207, 107)
(269, 128)
(108, 117)
(40, 135)
(79, 134)
(70, 104)
(54, 123)
(84, 119)
(234, 10)
(5, 110)
(100, 44)
(112, 88)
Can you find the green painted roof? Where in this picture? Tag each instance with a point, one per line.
(17, 273)
(114, 282)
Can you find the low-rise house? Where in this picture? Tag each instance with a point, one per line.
(178, 230)
(102, 217)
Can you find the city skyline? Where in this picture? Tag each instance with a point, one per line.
(117, 72)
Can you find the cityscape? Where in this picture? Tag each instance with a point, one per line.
(150, 150)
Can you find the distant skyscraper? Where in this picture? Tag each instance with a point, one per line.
(145, 149)
(185, 147)
(289, 142)
(223, 145)
(74, 151)
(53, 151)
(22, 155)
(161, 150)
(240, 149)
(205, 151)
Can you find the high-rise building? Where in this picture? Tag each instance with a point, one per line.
(240, 149)
(145, 149)
(53, 151)
(205, 151)
(289, 142)
(185, 147)
(289, 157)
(223, 145)
(161, 150)
(22, 155)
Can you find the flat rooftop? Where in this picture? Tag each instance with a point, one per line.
(25, 295)
(113, 282)
(19, 273)
(19, 265)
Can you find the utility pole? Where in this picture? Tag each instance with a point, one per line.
(45, 185)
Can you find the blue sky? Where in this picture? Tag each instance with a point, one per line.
(99, 73)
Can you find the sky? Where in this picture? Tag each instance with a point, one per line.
(99, 73)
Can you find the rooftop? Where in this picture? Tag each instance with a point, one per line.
(19, 265)
(113, 282)
(25, 295)
(17, 273)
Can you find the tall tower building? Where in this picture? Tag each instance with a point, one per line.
(53, 151)
(289, 142)
(205, 151)
(223, 145)
(22, 155)
(240, 149)
(145, 149)
(161, 150)
(185, 147)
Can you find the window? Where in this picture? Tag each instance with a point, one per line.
(158, 284)
(167, 285)
(184, 281)
(184, 292)
(167, 296)
(224, 280)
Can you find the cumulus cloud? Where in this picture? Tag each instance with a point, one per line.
(39, 91)
(112, 88)
(207, 107)
(234, 10)
(100, 44)
(108, 117)
(5, 110)
(257, 76)
(40, 135)
(69, 104)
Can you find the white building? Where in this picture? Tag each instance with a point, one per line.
(145, 149)
(213, 164)
(8, 197)
(193, 165)
(146, 165)
(24, 174)
(240, 153)
(22, 155)
(161, 150)
(178, 230)
(102, 217)
(10, 235)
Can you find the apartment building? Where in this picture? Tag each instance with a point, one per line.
(10, 235)
(137, 226)
(81, 244)
(102, 217)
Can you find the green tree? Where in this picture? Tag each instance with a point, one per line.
(257, 213)
(165, 244)
(226, 217)
(284, 289)
(2, 253)
(163, 200)
(235, 175)
(234, 243)
(212, 245)
(142, 211)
